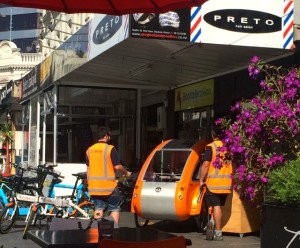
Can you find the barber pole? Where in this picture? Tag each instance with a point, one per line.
(196, 18)
(287, 24)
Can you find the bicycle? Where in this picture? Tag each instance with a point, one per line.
(74, 206)
(79, 191)
(18, 183)
(4, 189)
(23, 186)
(126, 186)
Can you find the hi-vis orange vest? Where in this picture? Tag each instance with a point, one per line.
(219, 180)
(101, 175)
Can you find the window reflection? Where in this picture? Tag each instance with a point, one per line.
(166, 166)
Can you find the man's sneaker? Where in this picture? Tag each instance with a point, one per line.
(218, 237)
(209, 231)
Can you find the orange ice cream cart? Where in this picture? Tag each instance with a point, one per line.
(167, 187)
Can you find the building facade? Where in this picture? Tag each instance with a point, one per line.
(21, 26)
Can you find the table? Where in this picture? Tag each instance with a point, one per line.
(89, 238)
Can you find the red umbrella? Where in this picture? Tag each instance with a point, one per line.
(111, 7)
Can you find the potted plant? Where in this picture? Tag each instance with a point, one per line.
(281, 210)
(263, 135)
(6, 137)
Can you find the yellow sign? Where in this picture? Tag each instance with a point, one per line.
(195, 95)
(45, 69)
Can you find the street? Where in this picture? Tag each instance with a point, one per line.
(187, 228)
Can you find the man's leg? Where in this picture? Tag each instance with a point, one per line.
(116, 216)
(217, 214)
(99, 207)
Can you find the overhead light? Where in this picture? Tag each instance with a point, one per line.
(52, 39)
(140, 70)
(52, 26)
(70, 23)
(35, 44)
(43, 35)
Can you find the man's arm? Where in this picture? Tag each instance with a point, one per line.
(205, 165)
(203, 172)
(122, 169)
(117, 164)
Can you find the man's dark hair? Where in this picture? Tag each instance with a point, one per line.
(216, 131)
(103, 131)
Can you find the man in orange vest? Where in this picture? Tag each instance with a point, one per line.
(216, 174)
(102, 161)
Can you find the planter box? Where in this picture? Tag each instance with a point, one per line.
(239, 217)
(280, 227)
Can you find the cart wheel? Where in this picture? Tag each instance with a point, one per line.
(139, 222)
(201, 221)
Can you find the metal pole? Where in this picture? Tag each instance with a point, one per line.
(55, 125)
(44, 134)
(10, 25)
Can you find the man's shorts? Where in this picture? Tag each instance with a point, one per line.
(212, 199)
(110, 202)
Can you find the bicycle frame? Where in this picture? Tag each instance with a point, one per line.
(80, 191)
(5, 201)
(3, 197)
(57, 202)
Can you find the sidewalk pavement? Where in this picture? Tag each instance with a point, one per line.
(187, 228)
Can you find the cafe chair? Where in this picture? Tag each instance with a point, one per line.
(176, 242)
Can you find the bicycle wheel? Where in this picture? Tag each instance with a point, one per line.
(139, 221)
(201, 221)
(34, 212)
(1, 207)
(8, 218)
(87, 207)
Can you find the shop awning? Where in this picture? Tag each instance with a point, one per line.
(112, 7)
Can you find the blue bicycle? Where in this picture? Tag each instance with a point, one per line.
(20, 184)
(23, 186)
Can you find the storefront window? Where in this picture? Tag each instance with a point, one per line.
(195, 124)
(81, 111)
(63, 122)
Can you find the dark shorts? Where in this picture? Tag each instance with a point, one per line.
(212, 199)
(108, 202)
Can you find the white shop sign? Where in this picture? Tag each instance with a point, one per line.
(244, 23)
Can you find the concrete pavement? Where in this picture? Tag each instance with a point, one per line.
(188, 229)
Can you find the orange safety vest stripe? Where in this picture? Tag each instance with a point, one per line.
(101, 175)
(219, 180)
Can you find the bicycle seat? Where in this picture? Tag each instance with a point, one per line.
(80, 175)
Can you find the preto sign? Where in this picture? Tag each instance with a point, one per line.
(246, 21)
(106, 29)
